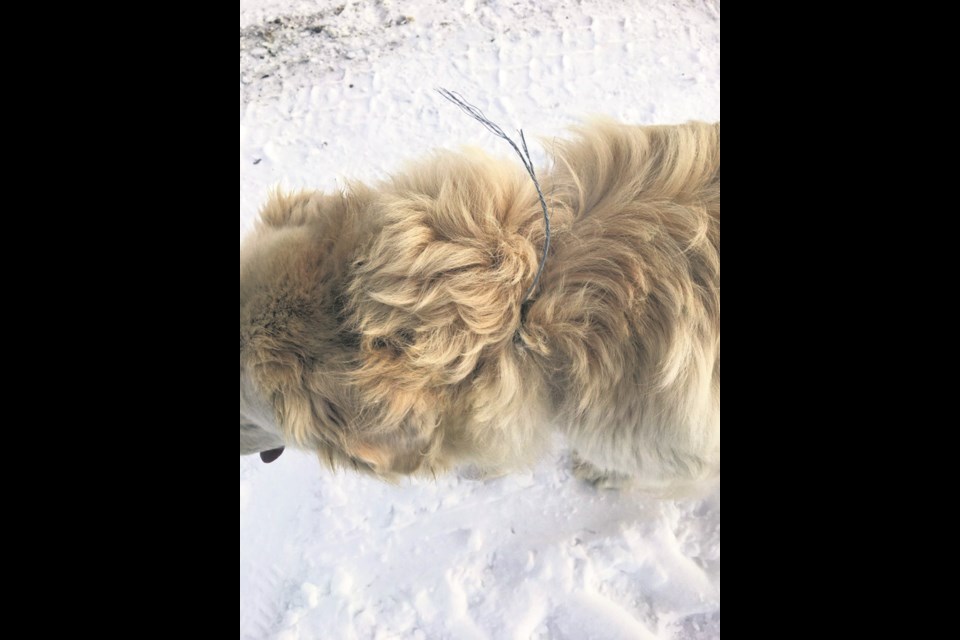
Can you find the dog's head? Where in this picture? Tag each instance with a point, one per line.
(364, 316)
(300, 353)
(291, 351)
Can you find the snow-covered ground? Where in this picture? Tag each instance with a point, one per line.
(333, 90)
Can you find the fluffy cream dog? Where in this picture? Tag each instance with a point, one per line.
(387, 329)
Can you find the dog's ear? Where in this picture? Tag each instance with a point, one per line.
(403, 450)
(298, 208)
(398, 434)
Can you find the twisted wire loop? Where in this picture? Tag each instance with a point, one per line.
(493, 128)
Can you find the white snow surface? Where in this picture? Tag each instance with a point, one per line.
(332, 91)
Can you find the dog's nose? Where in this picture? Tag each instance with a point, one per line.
(270, 456)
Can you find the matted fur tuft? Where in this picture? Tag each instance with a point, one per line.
(387, 329)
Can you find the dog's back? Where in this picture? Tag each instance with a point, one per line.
(629, 306)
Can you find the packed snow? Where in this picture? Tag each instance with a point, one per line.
(332, 91)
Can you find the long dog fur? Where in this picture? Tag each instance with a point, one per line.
(386, 327)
